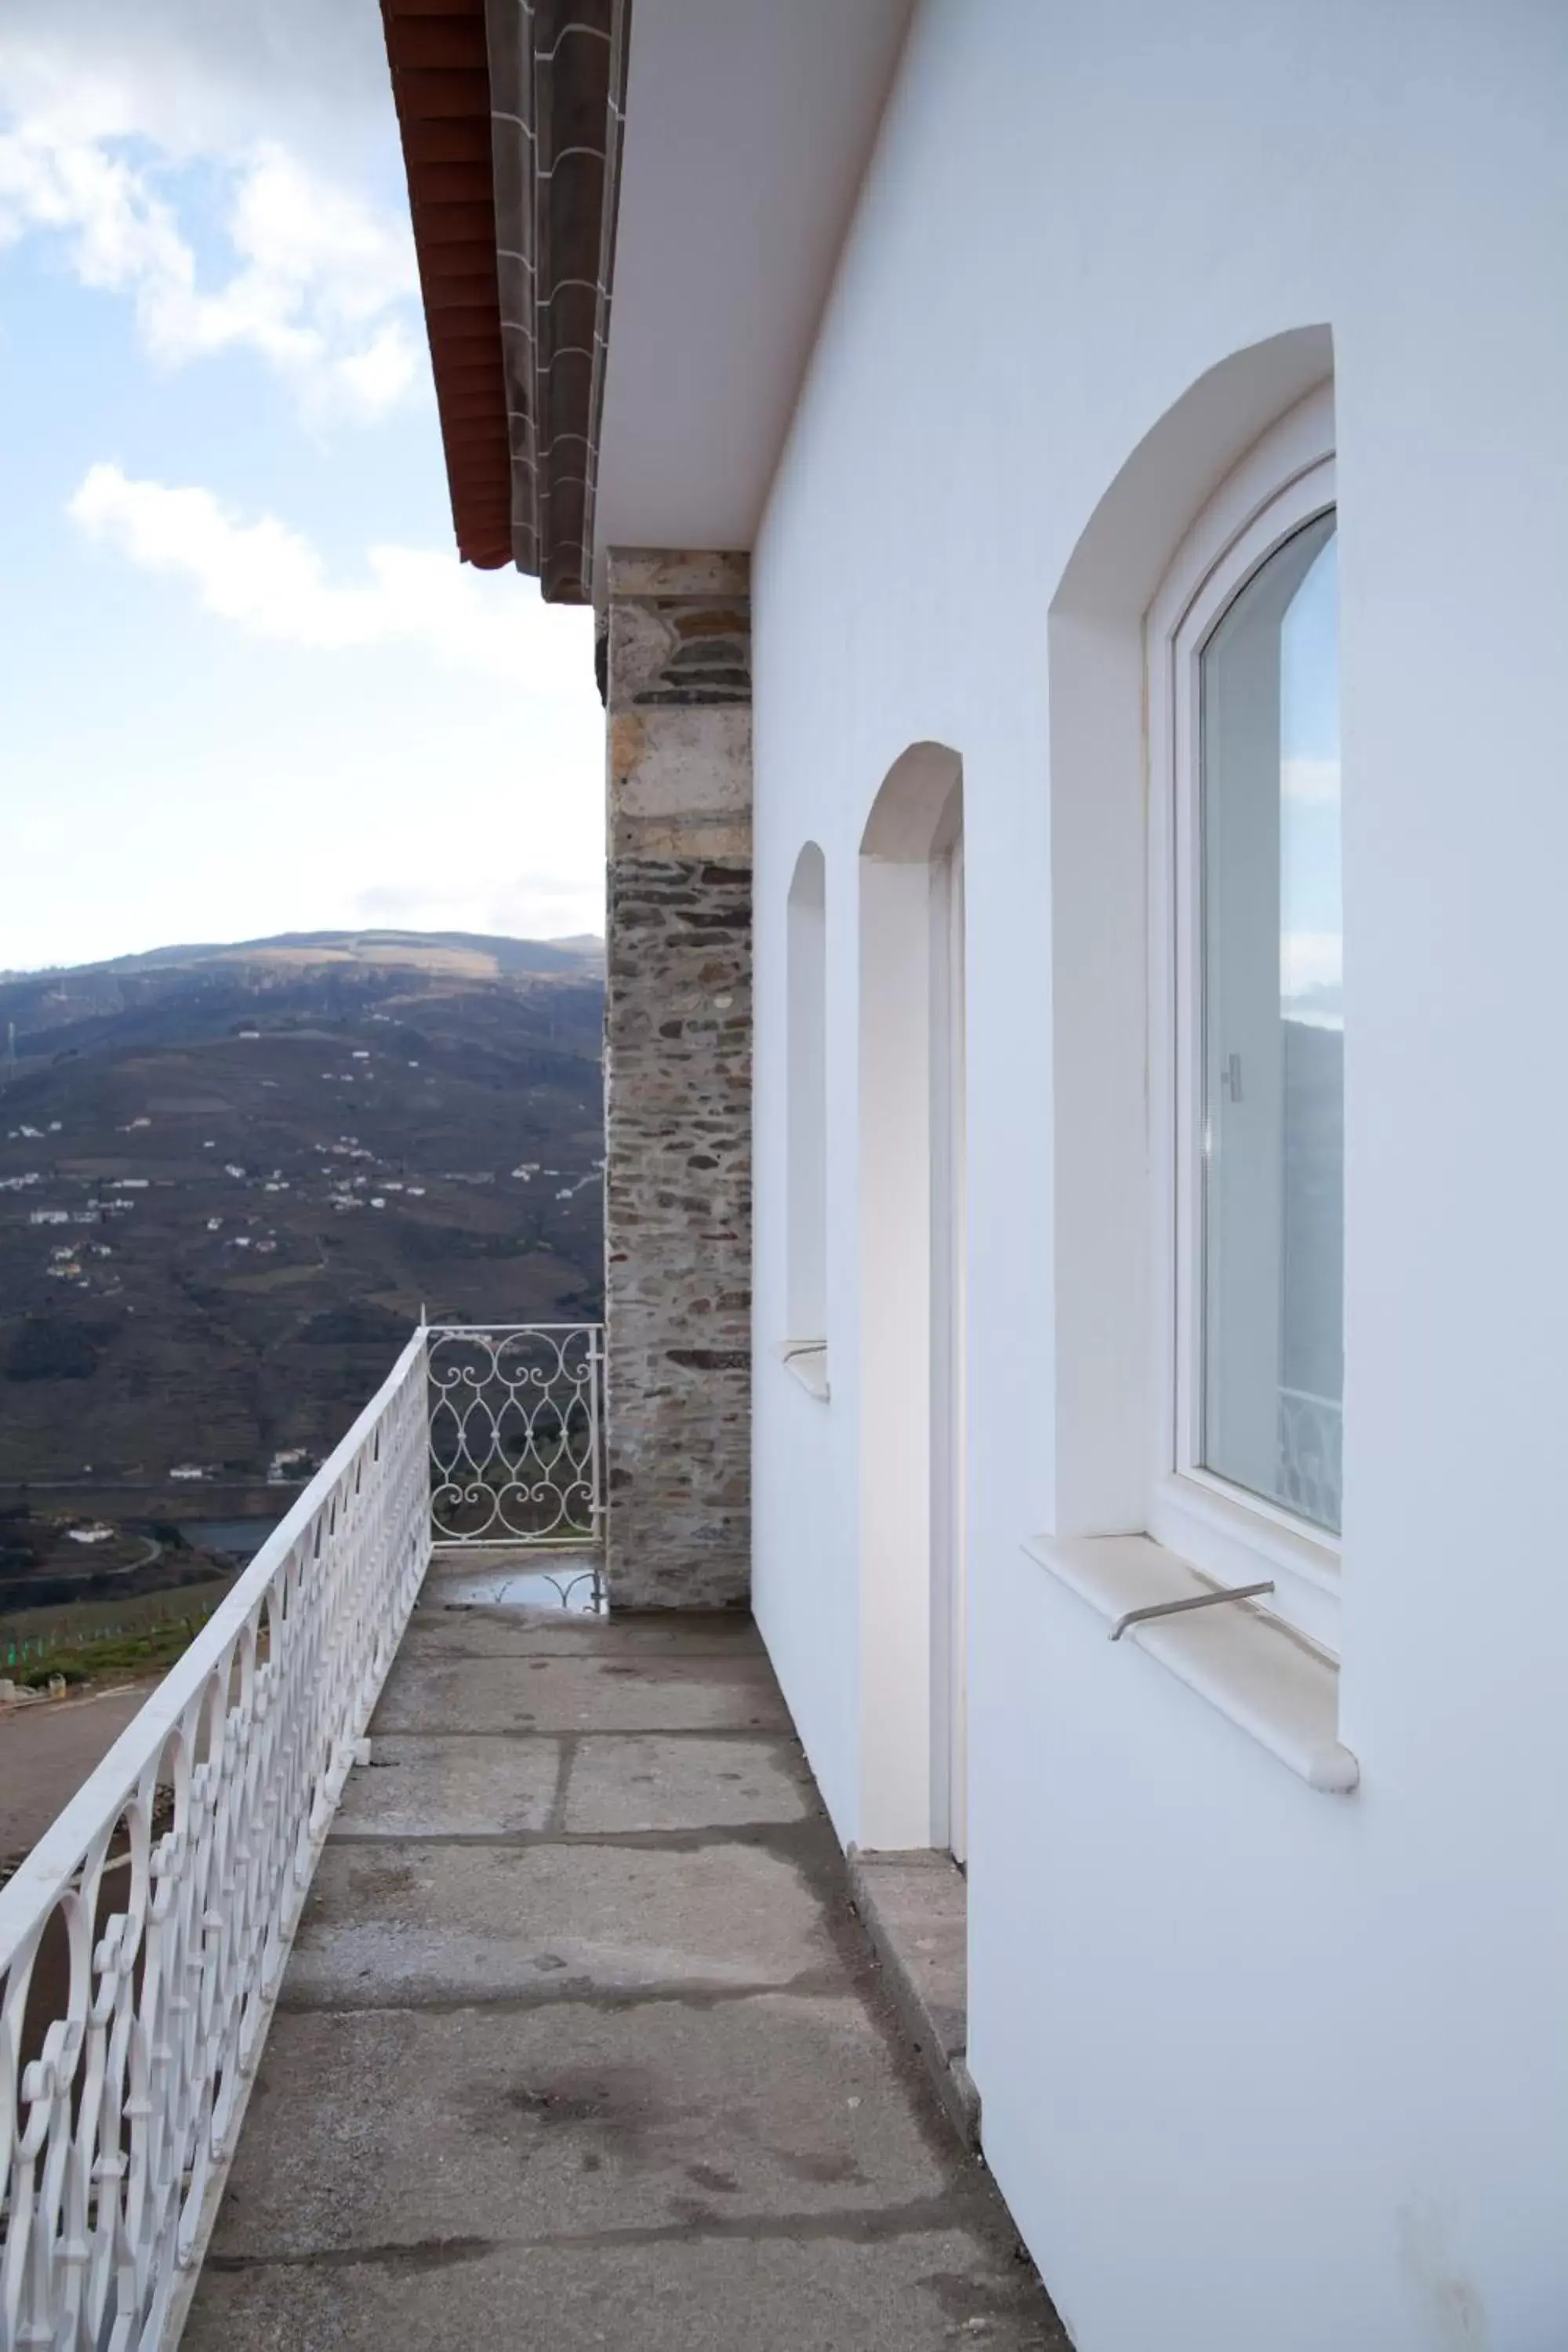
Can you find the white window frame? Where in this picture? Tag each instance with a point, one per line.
(1235, 1536)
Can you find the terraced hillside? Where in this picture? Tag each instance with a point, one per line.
(231, 1177)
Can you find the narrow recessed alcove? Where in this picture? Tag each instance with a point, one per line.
(804, 1346)
(908, 1873)
(911, 1260)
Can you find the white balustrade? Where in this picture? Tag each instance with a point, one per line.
(143, 1940)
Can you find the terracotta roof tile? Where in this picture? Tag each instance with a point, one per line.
(521, 112)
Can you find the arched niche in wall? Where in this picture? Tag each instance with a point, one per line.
(910, 1030)
(805, 1241)
(1098, 787)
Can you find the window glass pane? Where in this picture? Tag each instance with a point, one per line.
(1273, 1033)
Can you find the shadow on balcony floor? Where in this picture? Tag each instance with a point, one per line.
(581, 2044)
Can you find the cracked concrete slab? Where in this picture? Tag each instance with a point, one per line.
(572, 2120)
(926, 2290)
(726, 1692)
(653, 1783)
(450, 1787)
(434, 1922)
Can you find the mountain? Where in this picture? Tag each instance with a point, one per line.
(231, 1176)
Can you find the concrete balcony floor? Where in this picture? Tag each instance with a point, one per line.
(581, 2045)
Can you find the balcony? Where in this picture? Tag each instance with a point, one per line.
(420, 1970)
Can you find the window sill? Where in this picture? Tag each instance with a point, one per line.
(1264, 1678)
(806, 1361)
(1229, 1541)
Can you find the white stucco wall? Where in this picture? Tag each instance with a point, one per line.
(1260, 2068)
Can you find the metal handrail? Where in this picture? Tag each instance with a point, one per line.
(144, 1939)
(1179, 1608)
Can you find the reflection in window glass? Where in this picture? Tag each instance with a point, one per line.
(1273, 1033)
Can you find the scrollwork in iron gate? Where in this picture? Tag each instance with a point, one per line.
(515, 1451)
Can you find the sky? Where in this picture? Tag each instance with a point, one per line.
(1312, 912)
(246, 687)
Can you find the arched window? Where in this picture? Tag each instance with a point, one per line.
(805, 1282)
(1248, 1016)
(1197, 1023)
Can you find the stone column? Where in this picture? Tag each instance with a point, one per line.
(678, 1080)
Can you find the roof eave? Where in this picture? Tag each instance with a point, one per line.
(510, 122)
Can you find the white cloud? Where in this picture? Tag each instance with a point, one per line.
(1315, 782)
(1310, 960)
(227, 174)
(270, 581)
(203, 78)
(135, 131)
(320, 283)
(523, 907)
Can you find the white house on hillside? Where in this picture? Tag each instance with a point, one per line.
(1146, 427)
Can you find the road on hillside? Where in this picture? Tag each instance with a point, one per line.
(46, 1750)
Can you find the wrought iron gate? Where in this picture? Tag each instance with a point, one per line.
(516, 1447)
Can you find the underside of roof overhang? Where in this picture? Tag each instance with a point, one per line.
(749, 128)
(731, 138)
(510, 117)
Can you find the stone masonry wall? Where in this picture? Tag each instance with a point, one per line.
(678, 1080)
